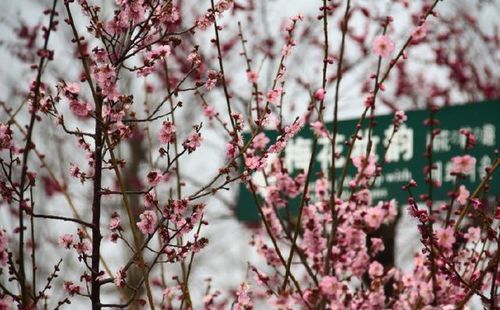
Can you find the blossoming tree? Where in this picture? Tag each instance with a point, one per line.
(118, 140)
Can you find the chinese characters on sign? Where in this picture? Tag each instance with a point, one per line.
(404, 159)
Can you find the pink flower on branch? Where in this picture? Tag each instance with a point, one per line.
(445, 237)
(167, 132)
(147, 222)
(463, 164)
(192, 142)
(383, 46)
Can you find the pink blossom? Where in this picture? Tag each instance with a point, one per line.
(260, 141)
(473, 234)
(224, 5)
(155, 177)
(419, 33)
(463, 164)
(383, 46)
(319, 94)
(319, 129)
(366, 167)
(115, 222)
(273, 94)
(377, 245)
(150, 200)
(231, 150)
(84, 247)
(167, 132)
(66, 241)
(5, 137)
(71, 288)
(213, 76)
(330, 286)
(73, 88)
(105, 77)
(321, 187)
(74, 170)
(161, 52)
(134, 11)
(287, 49)
(179, 206)
(192, 142)
(203, 23)
(170, 15)
(375, 270)
(243, 302)
(252, 76)
(80, 109)
(119, 279)
(374, 217)
(147, 222)
(209, 111)
(254, 162)
(463, 195)
(399, 118)
(445, 237)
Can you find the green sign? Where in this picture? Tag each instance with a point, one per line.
(404, 160)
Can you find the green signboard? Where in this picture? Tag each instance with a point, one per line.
(405, 158)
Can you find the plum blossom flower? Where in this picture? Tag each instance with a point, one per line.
(377, 245)
(147, 222)
(273, 94)
(319, 94)
(84, 247)
(463, 164)
(167, 132)
(203, 22)
(473, 234)
(209, 111)
(150, 200)
(330, 286)
(399, 118)
(383, 46)
(463, 195)
(119, 279)
(5, 137)
(155, 177)
(80, 109)
(72, 88)
(115, 222)
(213, 76)
(252, 76)
(418, 33)
(319, 129)
(66, 241)
(72, 288)
(161, 52)
(366, 167)
(375, 270)
(192, 142)
(260, 141)
(255, 162)
(445, 237)
(374, 217)
(243, 302)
